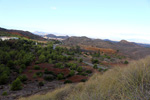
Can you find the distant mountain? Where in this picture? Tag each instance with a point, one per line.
(51, 35)
(27, 34)
(130, 49)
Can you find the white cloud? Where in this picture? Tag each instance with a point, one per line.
(53, 8)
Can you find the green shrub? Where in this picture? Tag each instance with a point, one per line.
(95, 61)
(126, 62)
(39, 74)
(80, 60)
(34, 75)
(67, 81)
(48, 72)
(82, 73)
(16, 85)
(60, 76)
(71, 73)
(83, 80)
(36, 67)
(23, 78)
(49, 78)
(73, 67)
(4, 93)
(80, 69)
(89, 71)
(58, 65)
(95, 66)
(100, 69)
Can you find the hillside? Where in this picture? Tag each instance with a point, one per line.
(130, 49)
(26, 34)
(128, 83)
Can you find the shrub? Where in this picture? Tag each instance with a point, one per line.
(4, 93)
(80, 60)
(49, 78)
(71, 73)
(36, 67)
(73, 67)
(83, 80)
(60, 76)
(95, 61)
(48, 72)
(3, 78)
(100, 69)
(80, 69)
(58, 65)
(82, 73)
(95, 66)
(23, 78)
(126, 62)
(16, 85)
(67, 81)
(41, 83)
(89, 71)
(40, 74)
(34, 75)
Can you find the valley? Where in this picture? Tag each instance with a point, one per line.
(31, 65)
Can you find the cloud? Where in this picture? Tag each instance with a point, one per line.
(53, 8)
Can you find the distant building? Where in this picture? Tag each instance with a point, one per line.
(3, 38)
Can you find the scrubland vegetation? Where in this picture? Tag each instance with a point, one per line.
(119, 83)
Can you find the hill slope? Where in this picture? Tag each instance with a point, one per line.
(130, 83)
(27, 34)
(130, 49)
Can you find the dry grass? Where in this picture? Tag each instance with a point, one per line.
(130, 83)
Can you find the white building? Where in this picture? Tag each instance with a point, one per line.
(3, 38)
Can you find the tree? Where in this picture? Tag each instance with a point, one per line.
(42, 58)
(16, 85)
(95, 66)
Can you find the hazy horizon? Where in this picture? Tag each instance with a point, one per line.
(115, 20)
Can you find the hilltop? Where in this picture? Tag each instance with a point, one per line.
(26, 34)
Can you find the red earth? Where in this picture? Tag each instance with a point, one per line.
(30, 71)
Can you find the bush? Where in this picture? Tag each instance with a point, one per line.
(23, 78)
(82, 73)
(58, 65)
(36, 67)
(40, 74)
(71, 73)
(60, 76)
(67, 81)
(126, 62)
(16, 85)
(3, 79)
(4, 93)
(83, 80)
(89, 71)
(95, 61)
(48, 72)
(80, 60)
(41, 83)
(34, 76)
(23, 66)
(80, 69)
(95, 66)
(100, 69)
(49, 78)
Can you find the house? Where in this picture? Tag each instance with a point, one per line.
(3, 38)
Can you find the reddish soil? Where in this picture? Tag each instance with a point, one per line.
(43, 66)
(77, 78)
(108, 51)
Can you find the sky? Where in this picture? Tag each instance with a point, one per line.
(104, 19)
